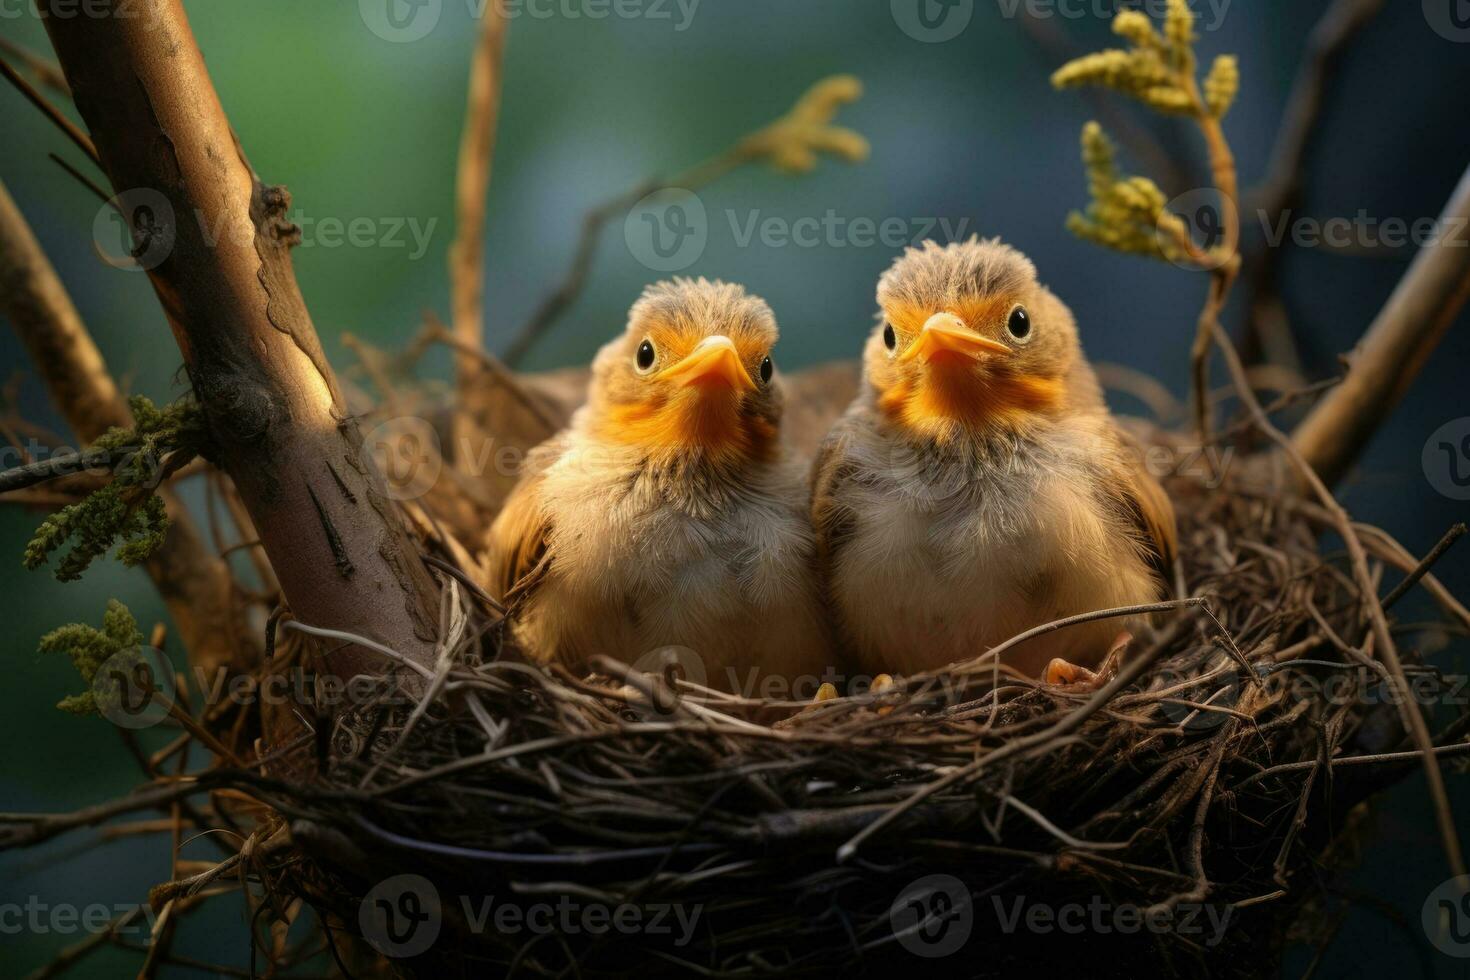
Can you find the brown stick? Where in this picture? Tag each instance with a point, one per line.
(338, 545)
(195, 584)
(1388, 358)
(46, 72)
(476, 158)
(1281, 189)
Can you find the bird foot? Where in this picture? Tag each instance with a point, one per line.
(1064, 673)
(881, 683)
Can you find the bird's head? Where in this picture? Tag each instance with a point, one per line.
(968, 342)
(692, 375)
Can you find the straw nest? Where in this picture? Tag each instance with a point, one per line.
(1192, 790)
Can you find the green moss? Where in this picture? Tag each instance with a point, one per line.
(127, 511)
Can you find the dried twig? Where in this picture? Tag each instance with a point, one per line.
(476, 156)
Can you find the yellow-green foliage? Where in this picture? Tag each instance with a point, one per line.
(1222, 84)
(1125, 212)
(1157, 68)
(792, 143)
(90, 648)
(126, 510)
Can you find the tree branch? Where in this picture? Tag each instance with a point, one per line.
(196, 584)
(343, 556)
(1388, 358)
(476, 157)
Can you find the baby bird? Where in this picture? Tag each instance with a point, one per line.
(977, 485)
(668, 513)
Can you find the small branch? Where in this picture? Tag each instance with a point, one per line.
(1325, 46)
(791, 143)
(476, 157)
(1420, 570)
(81, 139)
(1281, 188)
(1390, 355)
(47, 72)
(33, 474)
(1222, 277)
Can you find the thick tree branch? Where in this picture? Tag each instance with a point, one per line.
(1388, 358)
(195, 584)
(224, 277)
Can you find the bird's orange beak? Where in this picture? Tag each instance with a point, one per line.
(945, 334)
(714, 361)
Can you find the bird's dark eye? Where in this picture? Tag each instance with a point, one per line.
(644, 358)
(767, 369)
(1019, 325)
(890, 339)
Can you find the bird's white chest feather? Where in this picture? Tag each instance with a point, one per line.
(947, 559)
(723, 567)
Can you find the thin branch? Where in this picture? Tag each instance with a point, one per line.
(33, 474)
(791, 143)
(1396, 346)
(73, 133)
(1326, 45)
(1436, 553)
(476, 157)
(1281, 188)
(47, 72)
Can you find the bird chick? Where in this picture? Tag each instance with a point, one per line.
(668, 512)
(977, 486)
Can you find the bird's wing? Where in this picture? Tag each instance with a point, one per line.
(1147, 507)
(519, 553)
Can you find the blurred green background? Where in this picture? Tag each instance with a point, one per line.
(359, 126)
